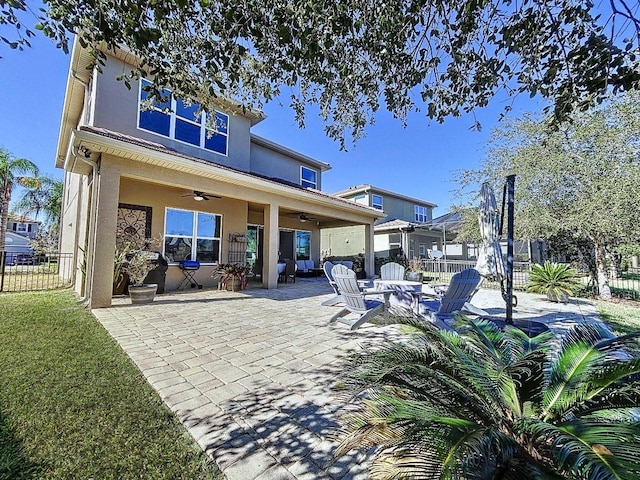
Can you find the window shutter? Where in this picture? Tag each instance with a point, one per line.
(29, 227)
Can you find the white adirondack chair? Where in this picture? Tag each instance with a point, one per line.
(456, 298)
(392, 271)
(355, 299)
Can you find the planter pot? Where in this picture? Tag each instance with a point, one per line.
(414, 276)
(563, 298)
(233, 284)
(142, 293)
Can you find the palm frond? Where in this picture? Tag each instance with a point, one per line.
(593, 449)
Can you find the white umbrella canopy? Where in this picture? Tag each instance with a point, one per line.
(490, 262)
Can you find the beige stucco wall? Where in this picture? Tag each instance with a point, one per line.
(159, 198)
(342, 241)
(73, 227)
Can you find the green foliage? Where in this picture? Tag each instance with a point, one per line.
(555, 280)
(488, 404)
(132, 256)
(578, 181)
(350, 57)
(73, 405)
(43, 195)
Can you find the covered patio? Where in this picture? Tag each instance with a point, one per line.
(255, 375)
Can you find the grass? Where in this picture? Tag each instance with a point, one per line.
(622, 316)
(72, 404)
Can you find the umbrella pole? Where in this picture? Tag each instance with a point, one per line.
(511, 181)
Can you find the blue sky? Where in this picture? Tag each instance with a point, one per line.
(419, 160)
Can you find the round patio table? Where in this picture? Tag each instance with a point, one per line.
(406, 292)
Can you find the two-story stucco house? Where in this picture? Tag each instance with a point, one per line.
(406, 228)
(159, 172)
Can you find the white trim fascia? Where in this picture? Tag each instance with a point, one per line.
(211, 170)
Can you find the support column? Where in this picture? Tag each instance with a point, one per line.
(369, 253)
(270, 246)
(107, 189)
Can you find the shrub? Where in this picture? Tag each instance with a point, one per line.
(555, 280)
(488, 404)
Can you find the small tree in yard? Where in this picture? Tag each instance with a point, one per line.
(579, 181)
(492, 404)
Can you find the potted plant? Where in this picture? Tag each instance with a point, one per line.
(557, 281)
(233, 276)
(134, 258)
(414, 270)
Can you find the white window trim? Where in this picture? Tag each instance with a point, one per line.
(419, 212)
(172, 124)
(194, 236)
(302, 167)
(373, 204)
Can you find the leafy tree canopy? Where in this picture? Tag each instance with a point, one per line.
(580, 179)
(352, 56)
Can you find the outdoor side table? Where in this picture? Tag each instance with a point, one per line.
(406, 293)
(189, 269)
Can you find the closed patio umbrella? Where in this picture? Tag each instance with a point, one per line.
(490, 262)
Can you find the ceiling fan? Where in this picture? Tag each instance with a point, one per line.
(303, 217)
(199, 196)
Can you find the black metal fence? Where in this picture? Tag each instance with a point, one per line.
(441, 271)
(623, 285)
(25, 271)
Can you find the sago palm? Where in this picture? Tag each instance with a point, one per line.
(555, 280)
(490, 404)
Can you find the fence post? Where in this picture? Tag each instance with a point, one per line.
(3, 261)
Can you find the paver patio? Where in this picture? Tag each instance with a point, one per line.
(253, 375)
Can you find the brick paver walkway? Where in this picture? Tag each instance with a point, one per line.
(253, 374)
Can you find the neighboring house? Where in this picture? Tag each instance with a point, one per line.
(404, 230)
(131, 169)
(20, 231)
(14, 244)
(449, 225)
(24, 226)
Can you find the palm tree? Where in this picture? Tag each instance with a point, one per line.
(491, 404)
(13, 171)
(44, 197)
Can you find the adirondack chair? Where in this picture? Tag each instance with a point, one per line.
(328, 269)
(455, 299)
(354, 299)
(392, 271)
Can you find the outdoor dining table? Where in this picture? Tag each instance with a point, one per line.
(406, 292)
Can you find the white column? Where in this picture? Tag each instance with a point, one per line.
(270, 246)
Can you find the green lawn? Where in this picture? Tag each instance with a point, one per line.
(72, 404)
(622, 317)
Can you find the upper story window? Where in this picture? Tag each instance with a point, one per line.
(362, 198)
(190, 235)
(308, 178)
(22, 227)
(376, 201)
(422, 213)
(179, 121)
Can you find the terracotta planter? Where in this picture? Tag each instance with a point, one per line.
(142, 293)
